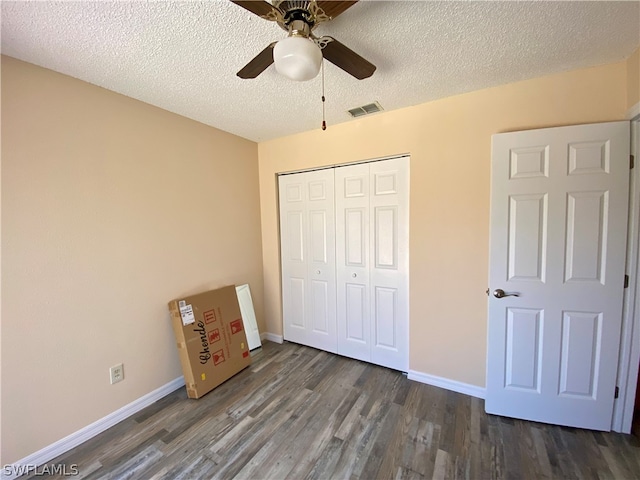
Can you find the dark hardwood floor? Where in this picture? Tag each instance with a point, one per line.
(302, 413)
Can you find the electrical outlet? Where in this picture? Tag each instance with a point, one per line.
(116, 373)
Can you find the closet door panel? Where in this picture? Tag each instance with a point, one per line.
(320, 307)
(296, 307)
(307, 232)
(297, 278)
(355, 315)
(385, 317)
(385, 237)
(389, 271)
(352, 261)
(320, 235)
(293, 227)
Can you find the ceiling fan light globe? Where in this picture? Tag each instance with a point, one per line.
(297, 58)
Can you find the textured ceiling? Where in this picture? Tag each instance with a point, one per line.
(183, 56)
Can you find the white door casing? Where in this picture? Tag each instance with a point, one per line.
(624, 405)
(559, 200)
(308, 258)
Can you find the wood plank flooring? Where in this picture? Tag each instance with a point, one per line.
(305, 414)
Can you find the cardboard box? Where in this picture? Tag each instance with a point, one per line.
(211, 340)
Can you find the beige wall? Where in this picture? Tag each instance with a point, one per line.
(449, 143)
(110, 208)
(633, 79)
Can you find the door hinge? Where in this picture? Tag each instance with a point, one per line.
(632, 162)
(626, 281)
(617, 393)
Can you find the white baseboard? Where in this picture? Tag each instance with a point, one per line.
(447, 384)
(67, 443)
(272, 337)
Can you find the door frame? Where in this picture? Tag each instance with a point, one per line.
(629, 358)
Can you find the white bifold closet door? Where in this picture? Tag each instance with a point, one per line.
(372, 262)
(307, 236)
(345, 260)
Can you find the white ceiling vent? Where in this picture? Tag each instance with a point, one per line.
(365, 109)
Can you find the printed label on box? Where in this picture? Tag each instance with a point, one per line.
(209, 316)
(236, 326)
(186, 312)
(214, 336)
(218, 357)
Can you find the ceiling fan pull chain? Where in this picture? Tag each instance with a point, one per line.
(324, 124)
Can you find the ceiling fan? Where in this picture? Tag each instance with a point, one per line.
(300, 54)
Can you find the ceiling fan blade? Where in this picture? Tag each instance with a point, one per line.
(259, 7)
(259, 63)
(348, 60)
(333, 8)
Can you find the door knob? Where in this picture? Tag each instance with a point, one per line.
(318, 272)
(354, 275)
(499, 293)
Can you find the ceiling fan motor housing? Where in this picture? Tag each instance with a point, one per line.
(299, 28)
(295, 19)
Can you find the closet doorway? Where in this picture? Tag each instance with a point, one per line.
(344, 243)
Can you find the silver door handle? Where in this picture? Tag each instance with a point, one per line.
(354, 275)
(499, 293)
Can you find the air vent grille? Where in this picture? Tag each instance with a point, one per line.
(365, 109)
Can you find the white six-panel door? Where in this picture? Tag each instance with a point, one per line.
(307, 233)
(371, 311)
(353, 261)
(372, 257)
(390, 263)
(559, 201)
